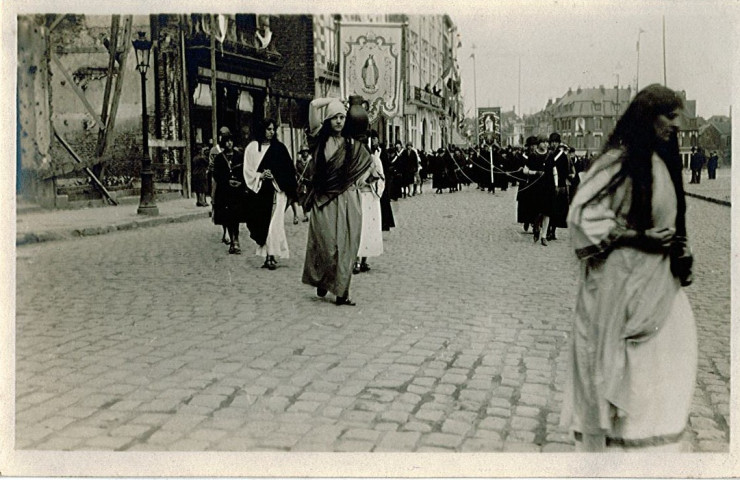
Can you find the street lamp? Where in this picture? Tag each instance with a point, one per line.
(147, 205)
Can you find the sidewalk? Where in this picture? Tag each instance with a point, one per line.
(47, 225)
(716, 191)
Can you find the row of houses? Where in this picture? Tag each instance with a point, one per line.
(79, 86)
(586, 116)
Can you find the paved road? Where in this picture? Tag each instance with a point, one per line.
(157, 340)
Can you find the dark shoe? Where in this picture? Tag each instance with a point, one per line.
(543, 242)
(321, 292)
(305, 219)
(526, 227)
(295, 220)
(225, 240)
(364, 267)
(271, 263)
(266, 264)
(356, 268)
(536, 235)
(345, 301)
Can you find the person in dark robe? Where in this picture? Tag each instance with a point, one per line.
(698, 159)
(525, 198)
(558, 157)
(199, 176)
(542, 188)
(386, 211)
(409, 165)
(230, 207)
(712, 164)
(436, 168)
(500, 177)
(395, 172)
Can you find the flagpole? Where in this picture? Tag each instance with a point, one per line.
(475, 100)
(519, 93)
(637, 81)
(665, 82)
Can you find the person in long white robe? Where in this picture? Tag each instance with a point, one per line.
(371, 237)
(255, 174)
(634, 341)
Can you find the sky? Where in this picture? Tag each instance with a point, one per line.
(565, 45)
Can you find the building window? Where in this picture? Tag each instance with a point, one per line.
(413, 128)
(597, 107)
(331, 45)
(597, 141)
(579, 142)
(597, 123)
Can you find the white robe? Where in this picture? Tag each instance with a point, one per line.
(371, 238)
(277, 242)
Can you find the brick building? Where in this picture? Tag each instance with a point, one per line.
(716, 135)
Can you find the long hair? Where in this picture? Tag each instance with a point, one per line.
(261, 134)
(635, 134)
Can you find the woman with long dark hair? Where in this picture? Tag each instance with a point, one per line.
(634, 350)
(270, 175)
(340, 168)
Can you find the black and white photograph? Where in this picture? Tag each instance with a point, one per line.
(368, 239)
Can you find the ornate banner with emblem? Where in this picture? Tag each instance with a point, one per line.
(489, 124)
(370, 66)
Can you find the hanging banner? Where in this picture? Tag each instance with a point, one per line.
(489, 124)
(370, 66)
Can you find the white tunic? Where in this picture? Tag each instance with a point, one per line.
(277, 242)
(371, 238)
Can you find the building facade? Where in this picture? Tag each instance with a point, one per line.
(586, 117)
(716, 135)
(512, 129)
(206, 71)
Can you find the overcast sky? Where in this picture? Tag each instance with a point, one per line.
(567, 44)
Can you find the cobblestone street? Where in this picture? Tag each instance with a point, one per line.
(158, 340)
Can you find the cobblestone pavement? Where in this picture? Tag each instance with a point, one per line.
(158, 340)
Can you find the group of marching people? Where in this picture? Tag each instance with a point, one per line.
(549, 179)
(338, 180)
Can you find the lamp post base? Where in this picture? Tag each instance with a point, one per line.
(147, 202)
(151, 210)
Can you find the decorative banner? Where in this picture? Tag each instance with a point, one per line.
(370, 66)
(489, 124)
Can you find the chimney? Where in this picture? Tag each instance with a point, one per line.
(570, 90)
(579, 89)
(601, 88)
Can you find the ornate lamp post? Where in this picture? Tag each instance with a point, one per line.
(147, 205)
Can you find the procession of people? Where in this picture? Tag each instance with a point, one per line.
(626, 210)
